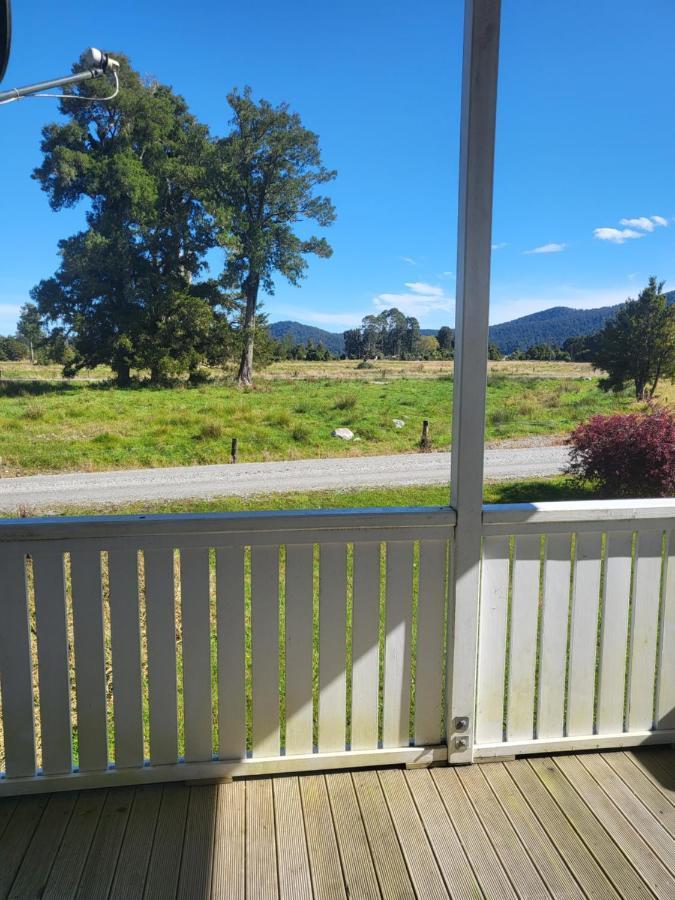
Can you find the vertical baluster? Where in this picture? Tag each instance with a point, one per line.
(332, 647)
(160, 610)
(397, 644)
(614, 632)
(265, 649)
(523, 648)
(194, 594)
(665, 695)
(231, 653)
(90, 686)
(492, 640)
(365, 645)
(299, 595)
(644, 628)
(430, 639)
(585, 601)
(553, 653)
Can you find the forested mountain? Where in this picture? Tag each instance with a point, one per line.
(300, 334)
(550, 326)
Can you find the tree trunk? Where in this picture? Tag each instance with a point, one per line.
(123, 373)
(245, 375)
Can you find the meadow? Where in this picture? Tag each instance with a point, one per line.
(51, 425)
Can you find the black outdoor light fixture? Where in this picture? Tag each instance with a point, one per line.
(98, 64)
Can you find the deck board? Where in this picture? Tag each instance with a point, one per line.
(596, 825)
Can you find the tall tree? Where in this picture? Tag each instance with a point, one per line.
(263, 186)
(30, 328)
(638, 345)
(126, 292)
(445, 338)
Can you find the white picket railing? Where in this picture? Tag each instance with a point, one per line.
(576, 627)
(172, 647)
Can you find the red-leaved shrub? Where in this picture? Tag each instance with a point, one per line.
(627, 455)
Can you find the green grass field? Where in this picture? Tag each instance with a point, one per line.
(57, 426)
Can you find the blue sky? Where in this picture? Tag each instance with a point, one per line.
(584, 192)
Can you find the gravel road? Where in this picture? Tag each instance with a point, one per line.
(105, 488)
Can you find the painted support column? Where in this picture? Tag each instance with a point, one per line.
(474, 244)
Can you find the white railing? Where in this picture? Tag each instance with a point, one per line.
(172, 647)
(576, 627)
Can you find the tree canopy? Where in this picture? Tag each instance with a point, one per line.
(638, 345)
(262, 185)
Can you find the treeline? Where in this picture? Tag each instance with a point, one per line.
(134, 290)
(393, 335)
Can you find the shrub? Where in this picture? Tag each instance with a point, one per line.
(300, 433)
(627, 455)
(210, 431)
(364, 364)
(349, 401)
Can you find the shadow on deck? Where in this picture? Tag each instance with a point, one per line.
(586, 825)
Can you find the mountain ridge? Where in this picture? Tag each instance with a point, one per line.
(547, 326)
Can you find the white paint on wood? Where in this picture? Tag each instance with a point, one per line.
(15, 666)
(553, 653)
(90, 688)
(644, 628)
(299, 596)
(614, 632)
(665, 695)
(231, 652)
(332, 647)
(476, 171)
(584, 632)
(430, 640)
(125, 641)
(523, 646)
(265, 649)
(492, 640)
(194, 600)
(568, 744)
(160, 611)
(52, 647)
(398, 627)
(365, 646)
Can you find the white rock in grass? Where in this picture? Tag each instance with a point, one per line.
(398, 423)
(344, 433)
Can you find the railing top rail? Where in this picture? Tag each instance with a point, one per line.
(579, 512)
(234, 526)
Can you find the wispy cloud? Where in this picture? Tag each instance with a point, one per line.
(499, 246)
(511, 304)
(409, 260)
(634, 228)
(617, 235)
(346, 319)
(546, 248)
(420, 299)
(447, 275)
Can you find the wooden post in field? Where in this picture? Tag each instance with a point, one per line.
(425, 440)
(233, 457)
(477, 138)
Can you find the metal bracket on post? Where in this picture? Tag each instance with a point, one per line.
(474, 246)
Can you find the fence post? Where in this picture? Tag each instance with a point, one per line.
(479, 100)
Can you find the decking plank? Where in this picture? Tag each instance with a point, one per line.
(644, 860)
(357, 863)
(418, 854)
(649, 762)
(33, 873)
(165, 858)
(626, 880)
(633, 809)
(484, 861)
(229, 852)
(99, 868)
(7, 807)
(390, 866)
(450, 856)
(72, 855)
(324, 859)
(543, 852)
(643, 788)
(18, 836)
(504, 838)
(295, 881)
(134, 858)
(261, 856)
(574, 851)
(197, 863)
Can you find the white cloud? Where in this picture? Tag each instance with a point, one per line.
(420, 299)
(346, 319)
(546, 248)
(644, 225)
(409, 260)
(499, 246)
(617, 235)
(447, 275)
(425, 290)
(511, 304)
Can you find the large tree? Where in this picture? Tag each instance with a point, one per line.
(263, 186)
(638, 345)
(127, 291)
(30, 328)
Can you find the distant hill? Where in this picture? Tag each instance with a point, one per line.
(300, 334)
(550, 326)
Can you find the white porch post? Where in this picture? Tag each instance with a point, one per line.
(479, 100)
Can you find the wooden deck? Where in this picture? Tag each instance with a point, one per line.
(587, 825)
